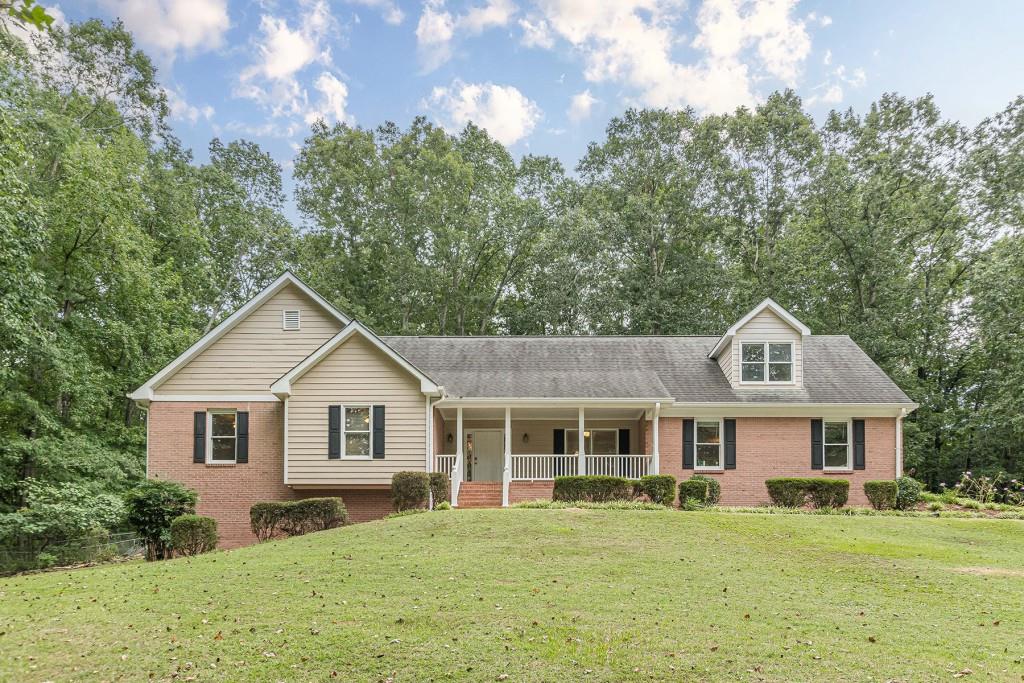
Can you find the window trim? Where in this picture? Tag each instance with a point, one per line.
(209, 436)
(284, 319)
(344, 432)
(766, 362)
(721, 445)
(592, 430)
(848, 467)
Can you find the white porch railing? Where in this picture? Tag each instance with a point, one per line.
(444, 463)
(526, 467)
(628, 466)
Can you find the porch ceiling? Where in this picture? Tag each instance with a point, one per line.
(543, 413)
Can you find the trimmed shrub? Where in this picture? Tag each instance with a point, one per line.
(152, 506)
(693, 492)
(593, 488)
(193, 534)
(908, 493)
(659, 488)
(265, 519)
(881, 494)
(443, 505)
(440, 488)
(821, 492)
(410, 490)
(714, 489)
(296, 517)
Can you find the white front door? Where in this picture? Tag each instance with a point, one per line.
(486, 450)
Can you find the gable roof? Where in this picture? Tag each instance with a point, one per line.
(283, 386)
(145, 392)
(767, 304)
(836, 370)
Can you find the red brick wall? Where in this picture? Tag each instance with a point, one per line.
(226, 492)
(520, 491)
(769, 447)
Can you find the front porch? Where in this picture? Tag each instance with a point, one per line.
(523, 448)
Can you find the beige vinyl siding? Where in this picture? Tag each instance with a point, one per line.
(355, 373)
(768, 327)
(725, 362)
(253, 354)
(542, 433)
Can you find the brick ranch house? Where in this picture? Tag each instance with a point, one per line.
(290, 398)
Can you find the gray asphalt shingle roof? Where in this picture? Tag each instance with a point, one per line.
(836, 370)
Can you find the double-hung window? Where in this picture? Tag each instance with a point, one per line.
(766, 362)
(595, 441)
(837, 445)
(358, 428)
(708, 445)
(222, 442)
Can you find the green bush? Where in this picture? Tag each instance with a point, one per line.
(152, 506)
(410, 490)
(881, 494)
(908, 492)
(443, 505)
(593, 488)
(821, 492)
(193, 534)
(296, 517)
(693, 492)
(659, 488)
(265, 519)
(608, 505)
(440, 488)
(714, 489)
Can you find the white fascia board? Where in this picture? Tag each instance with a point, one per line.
(222, 398)
(283, 386)
(746, 409)
(778, 310)
(490, 402)
(145, 392)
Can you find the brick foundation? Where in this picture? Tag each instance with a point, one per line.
(520, 491)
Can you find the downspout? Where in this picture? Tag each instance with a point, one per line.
(899, 441)
(655, 453)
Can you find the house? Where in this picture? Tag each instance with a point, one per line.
(290, 398)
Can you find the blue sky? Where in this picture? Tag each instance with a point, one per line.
(544, 76)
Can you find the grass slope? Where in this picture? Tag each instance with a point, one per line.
(545, 595)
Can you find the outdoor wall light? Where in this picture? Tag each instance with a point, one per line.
(450, 437)
(526, 438)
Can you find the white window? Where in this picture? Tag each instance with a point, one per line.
(223, 436)
(766, 362)
(837, 445)
(708, 445)
(595, 441)
(290, 320)
(358, 426)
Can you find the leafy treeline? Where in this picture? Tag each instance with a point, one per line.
(117, 250)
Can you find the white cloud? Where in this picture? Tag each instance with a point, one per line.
(581, 105)
(391, 12)
(828, 58)
(181, 110)
(283, 51)
(506, 114)
(438, 28)
(170, 26)
(823, 20)
(632, 42)
(536, 33)
(833, 89)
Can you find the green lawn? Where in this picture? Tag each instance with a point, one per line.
(553, 595)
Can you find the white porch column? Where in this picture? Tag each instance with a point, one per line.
(460, 467)
(506, 473)
(655, 455)
(581, 465)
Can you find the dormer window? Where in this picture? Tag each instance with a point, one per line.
(766, 362)
(290, 320)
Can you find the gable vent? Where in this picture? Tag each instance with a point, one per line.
(290, 320)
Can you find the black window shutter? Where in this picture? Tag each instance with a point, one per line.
(687, 444)
(623, 442)
(730, 444)
(242, 435)
(858, 445)
(333, 432)
(817, 445)
(199, 436)
(559, 442)
(378, 432)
